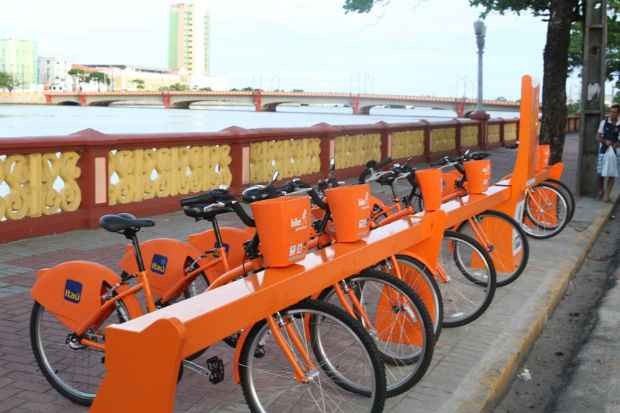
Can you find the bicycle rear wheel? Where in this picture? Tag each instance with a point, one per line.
(546, 213)
(73, 369)
(342, 351)
(398, 322)
(509, 247)
(470, 282)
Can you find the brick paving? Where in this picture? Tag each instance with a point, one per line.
(23, 388)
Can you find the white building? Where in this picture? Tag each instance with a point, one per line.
(53, 73)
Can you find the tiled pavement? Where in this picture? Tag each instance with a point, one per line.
(23, 389)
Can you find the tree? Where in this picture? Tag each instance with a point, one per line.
(98, 78)
(79, 75)
(139, 83)
(560, 15)
(8, 81)
(178, 87)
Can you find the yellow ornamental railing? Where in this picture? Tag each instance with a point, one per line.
(140, 174)
(469, 136)
(510, 131)
(494, 133)
(356, 150)
(34, 185)
(443, 139)
(407, 144)
(291, 157)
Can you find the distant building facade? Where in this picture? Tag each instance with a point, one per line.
(189, 40)
(133, 78)
(19, 58)
(53, 73)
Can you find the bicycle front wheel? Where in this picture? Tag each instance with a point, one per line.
(398, 321)
(468, 281)
(504, 240)
(568, 194)
(547, 211)
(347, 373)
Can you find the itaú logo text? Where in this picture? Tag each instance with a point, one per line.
(299, 223)
(72, 296)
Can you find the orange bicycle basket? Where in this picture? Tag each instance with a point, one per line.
(283, 226)
(350, 209)
(430, 182)
(478, 175)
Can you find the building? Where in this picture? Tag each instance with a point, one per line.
(53, 73)
(189, 40)
(133, 78)
(19, 58)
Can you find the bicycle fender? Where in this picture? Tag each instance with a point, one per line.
(237, 355)
(233, 239)
(72, 291)
(556, 170)
(164, 262)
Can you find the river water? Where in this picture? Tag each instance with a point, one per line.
(25, 120)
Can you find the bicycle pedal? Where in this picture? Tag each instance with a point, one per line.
(215, 365)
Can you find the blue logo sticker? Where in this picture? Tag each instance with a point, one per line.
(73, 291)
(159, 264)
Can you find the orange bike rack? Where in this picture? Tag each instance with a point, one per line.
(143, 355)
(508, 194)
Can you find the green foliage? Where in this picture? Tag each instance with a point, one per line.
(178, 87)
(80, 75)
(139, 83)
(8, 81)
(297, 90)
(575, 57)
(573, 108)
(206, 89)
(247, 89)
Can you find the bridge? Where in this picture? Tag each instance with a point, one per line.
(265, 101)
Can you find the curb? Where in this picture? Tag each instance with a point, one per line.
(485, 386)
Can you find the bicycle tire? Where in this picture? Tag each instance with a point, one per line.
(55, 374)
(539, 230)
(317, 312)
(402, 371)
(504, 277)
(570, 197)
(470, 289)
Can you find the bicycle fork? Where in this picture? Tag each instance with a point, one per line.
(303, 373)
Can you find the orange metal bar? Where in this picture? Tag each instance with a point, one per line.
(301, 349)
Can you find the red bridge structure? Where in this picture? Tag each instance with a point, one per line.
(265, 101)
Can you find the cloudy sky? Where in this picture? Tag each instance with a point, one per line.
(421, 47)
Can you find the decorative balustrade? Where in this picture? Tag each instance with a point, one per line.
(54, 184)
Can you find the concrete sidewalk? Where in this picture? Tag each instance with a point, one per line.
(470, 370)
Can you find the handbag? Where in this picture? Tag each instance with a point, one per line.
(610, 163)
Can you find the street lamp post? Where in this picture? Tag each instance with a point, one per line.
(481, 30)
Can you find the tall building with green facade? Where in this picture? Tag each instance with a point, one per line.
(189, 39)
(19, 58)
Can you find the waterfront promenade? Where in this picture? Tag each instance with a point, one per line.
(471, 367)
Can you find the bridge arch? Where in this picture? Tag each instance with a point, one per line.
(68, 103)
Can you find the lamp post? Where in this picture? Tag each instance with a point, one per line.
(481, 30)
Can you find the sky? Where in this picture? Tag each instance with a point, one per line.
(413, 47)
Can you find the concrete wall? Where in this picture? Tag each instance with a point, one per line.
(25, 98)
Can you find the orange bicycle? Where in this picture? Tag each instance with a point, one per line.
(461, 256)
(388, 308)
(325, 358)
(510, 255)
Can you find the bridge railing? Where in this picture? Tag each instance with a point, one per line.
(61, 183)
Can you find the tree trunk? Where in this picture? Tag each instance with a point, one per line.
(555, 74)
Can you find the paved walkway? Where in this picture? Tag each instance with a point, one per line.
(469, 361)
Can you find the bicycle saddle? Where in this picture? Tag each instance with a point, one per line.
(208, 198)
(122, 222)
